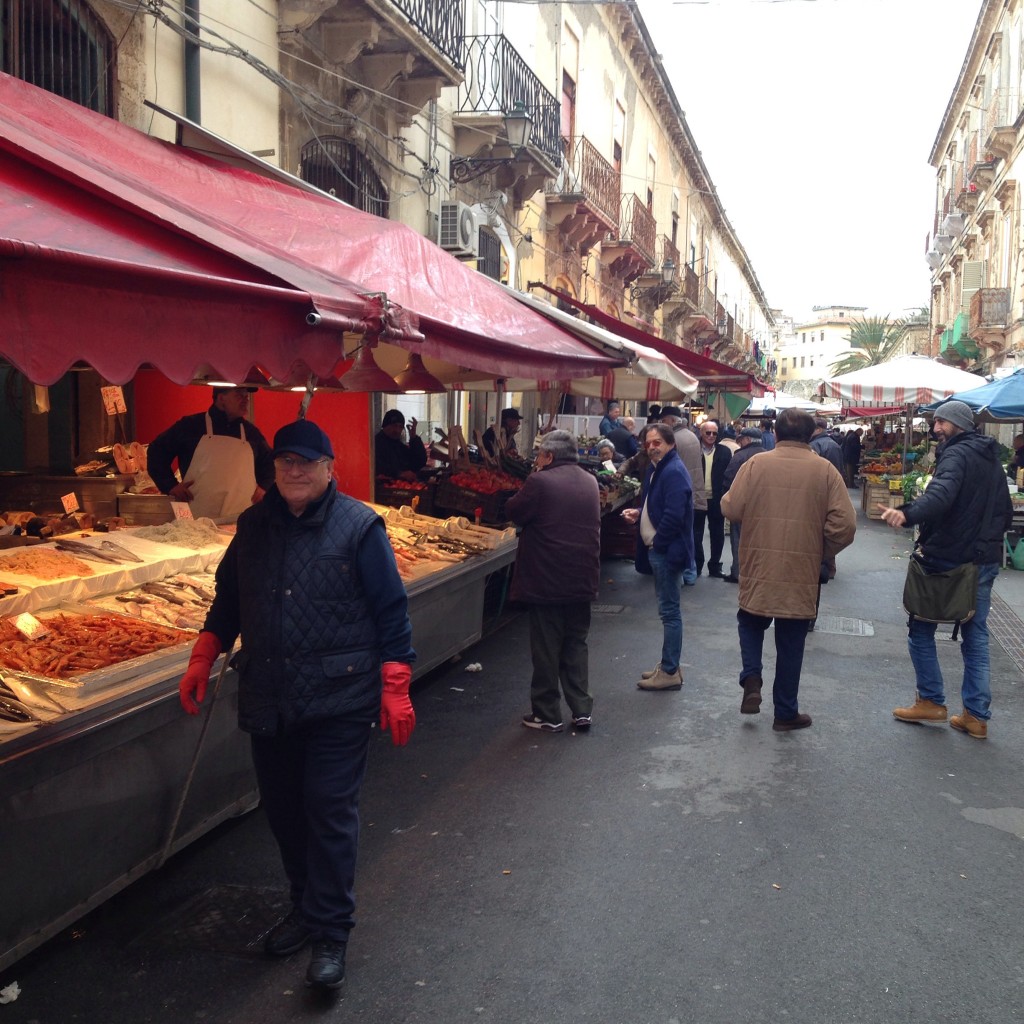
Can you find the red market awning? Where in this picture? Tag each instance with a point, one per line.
(120, 250)
(710, 372)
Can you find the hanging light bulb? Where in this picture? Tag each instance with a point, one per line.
(416, 379)
(365, 375)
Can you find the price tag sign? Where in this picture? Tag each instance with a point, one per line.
(70, 503)
(29, 626)
(113, 400)
(181, 509)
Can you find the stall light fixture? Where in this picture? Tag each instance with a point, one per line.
(365, 375)
(518, 125)
(416, 379)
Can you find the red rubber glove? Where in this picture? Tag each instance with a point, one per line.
(192, 688)
(396, 710)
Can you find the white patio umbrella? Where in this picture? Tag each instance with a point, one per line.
(906, 383)
(908, 380)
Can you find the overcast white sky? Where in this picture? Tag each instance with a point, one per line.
(815, 119)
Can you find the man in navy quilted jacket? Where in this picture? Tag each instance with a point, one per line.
(310, 583)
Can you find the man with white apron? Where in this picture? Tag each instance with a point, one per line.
(224, 461)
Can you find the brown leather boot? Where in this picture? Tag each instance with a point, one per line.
(977, 728)
(650, 673)
(662, 680)
(751, 704)
(921, 711)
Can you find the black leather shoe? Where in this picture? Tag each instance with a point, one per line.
(327, 964)
(288, 936)
(730, 579)
(716, 574)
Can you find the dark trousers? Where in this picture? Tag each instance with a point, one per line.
(309, 784)
(716, 528)
(790, 636)
(558, 646)
(734, 547)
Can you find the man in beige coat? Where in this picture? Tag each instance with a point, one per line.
(795, 512)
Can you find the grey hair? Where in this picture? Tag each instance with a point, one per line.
(561, 445)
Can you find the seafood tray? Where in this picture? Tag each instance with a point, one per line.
(170, 657)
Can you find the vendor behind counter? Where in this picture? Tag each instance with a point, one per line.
(394, 458)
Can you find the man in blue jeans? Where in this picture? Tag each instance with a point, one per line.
(962, 515)
(664, 546)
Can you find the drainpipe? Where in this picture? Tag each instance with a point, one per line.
(193, 104)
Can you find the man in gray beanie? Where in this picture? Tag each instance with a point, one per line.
(963, 514)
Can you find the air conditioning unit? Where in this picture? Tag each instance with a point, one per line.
(458, 231)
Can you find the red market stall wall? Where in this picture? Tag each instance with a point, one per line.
(345, 418)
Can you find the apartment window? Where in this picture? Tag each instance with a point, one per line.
(336, 166)
(822, 335)
(489, 263)
(803, 337)
(802, 360)
(60, 46)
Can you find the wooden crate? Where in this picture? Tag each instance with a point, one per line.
(873, 495)
(451, 498)
(396, 497)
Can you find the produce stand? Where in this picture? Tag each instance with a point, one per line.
(88, 794)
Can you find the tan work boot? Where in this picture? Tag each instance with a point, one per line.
(662, 680)
(977, 728)
(922, 711)
(651, 672)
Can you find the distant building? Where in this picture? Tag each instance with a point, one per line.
(809, 352)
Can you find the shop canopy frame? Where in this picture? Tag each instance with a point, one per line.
(118, 250)
(711, 374)
(999, 401)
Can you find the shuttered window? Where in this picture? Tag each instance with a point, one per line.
(60, 46)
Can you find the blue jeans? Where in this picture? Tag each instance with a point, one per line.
(790, 637)
(976, 689)
(666, 589)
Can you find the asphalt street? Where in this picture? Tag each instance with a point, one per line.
(679, 863)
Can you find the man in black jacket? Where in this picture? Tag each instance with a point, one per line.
(714, 460)
(749, 441)
(310, 584)
(963, 515)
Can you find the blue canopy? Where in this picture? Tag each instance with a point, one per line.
(1001, 401)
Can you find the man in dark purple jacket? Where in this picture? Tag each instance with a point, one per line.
(558, 569)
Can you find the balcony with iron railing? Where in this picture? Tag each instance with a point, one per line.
(629, 251)
(1000, 133)
(497, 79)
(658, 284)
(956, 339)
(583, 198)
(980, 167)
(406, 50)
(989, 317)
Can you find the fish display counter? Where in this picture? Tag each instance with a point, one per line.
(96, 755)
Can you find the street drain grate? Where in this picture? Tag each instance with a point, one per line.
(226, 919)
(1007, 628)
(607, 609)
(843, 625)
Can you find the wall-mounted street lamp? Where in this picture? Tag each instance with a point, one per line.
(518, 125)
(654, 289)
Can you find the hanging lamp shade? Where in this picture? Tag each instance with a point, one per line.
(365, 375)
(416, 379)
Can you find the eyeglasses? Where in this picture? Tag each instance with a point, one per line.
(305, 466)
(656, 444)
(710, 433)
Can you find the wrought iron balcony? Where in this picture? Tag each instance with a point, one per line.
(957, 339)
(989, 317)
(583, 199)
(404, 49)
(630, 250)
(1000, 133)
(497, 78)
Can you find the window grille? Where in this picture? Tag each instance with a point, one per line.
(336, 166)
(60, 46)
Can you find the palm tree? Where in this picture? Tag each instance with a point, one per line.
(873, 340)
